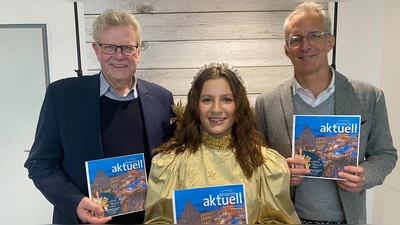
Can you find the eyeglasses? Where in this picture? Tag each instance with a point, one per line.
(314, 38)
(127, 50)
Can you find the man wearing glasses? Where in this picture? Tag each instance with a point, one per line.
(317, 89)
(85, 118)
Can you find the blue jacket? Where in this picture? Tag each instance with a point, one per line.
(69, 133)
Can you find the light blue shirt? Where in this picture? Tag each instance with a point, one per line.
(108, 91)
(308, 97)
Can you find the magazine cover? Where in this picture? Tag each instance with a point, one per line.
(118, 184)
(210, 205)
(326, 143)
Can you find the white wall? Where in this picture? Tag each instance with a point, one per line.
(22, 97)
(386, 197)
(59, 17)
(366, 49)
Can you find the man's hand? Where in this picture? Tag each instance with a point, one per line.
(354, 176)
(90, 212)
(301, 170)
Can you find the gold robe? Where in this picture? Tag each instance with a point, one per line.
(267, 191)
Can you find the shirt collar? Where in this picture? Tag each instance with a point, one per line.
(330, 89)
(105, 86)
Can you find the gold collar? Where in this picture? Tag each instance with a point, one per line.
(216, 143)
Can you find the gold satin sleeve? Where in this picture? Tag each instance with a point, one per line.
(276, 205)
(162, 180)
(267, 191)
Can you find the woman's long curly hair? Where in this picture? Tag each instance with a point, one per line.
(246, 140)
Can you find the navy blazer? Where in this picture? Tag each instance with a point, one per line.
(69, 133)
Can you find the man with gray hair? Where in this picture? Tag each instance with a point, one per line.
(318, 89)
(109, 114)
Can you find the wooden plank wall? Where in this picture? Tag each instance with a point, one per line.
(179, 37)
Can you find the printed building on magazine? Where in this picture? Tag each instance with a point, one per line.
(314, 140)
(199, 214)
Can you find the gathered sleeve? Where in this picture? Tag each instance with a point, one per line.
(276, 205)
(163, 179)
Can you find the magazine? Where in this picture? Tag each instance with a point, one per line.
(223, 204)
(118, 184)
(326, 143)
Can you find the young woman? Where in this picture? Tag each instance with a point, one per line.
(216, 143)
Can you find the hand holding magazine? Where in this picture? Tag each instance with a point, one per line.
(118, 184)
(326, 143)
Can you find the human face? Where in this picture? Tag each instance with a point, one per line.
(307, 59)
(217, 108)
(118, 68)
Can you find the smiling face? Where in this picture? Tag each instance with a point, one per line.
(118, 68)
(217, 108)
(308, 59)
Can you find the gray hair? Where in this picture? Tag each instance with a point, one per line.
(116, 17)
(309, 7)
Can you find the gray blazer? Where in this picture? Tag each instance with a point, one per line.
(377, 155)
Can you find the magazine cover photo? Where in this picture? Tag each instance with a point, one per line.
(326, 143)
(223, 204)
(118, 184)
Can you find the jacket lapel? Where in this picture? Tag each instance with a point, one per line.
(286, 98)
(346, 102)
(146, 101)
(91, 116)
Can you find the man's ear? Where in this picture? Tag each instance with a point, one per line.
(95, 46)
(138, 55)
(331, 42)
(286, 51)
(96, 49)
